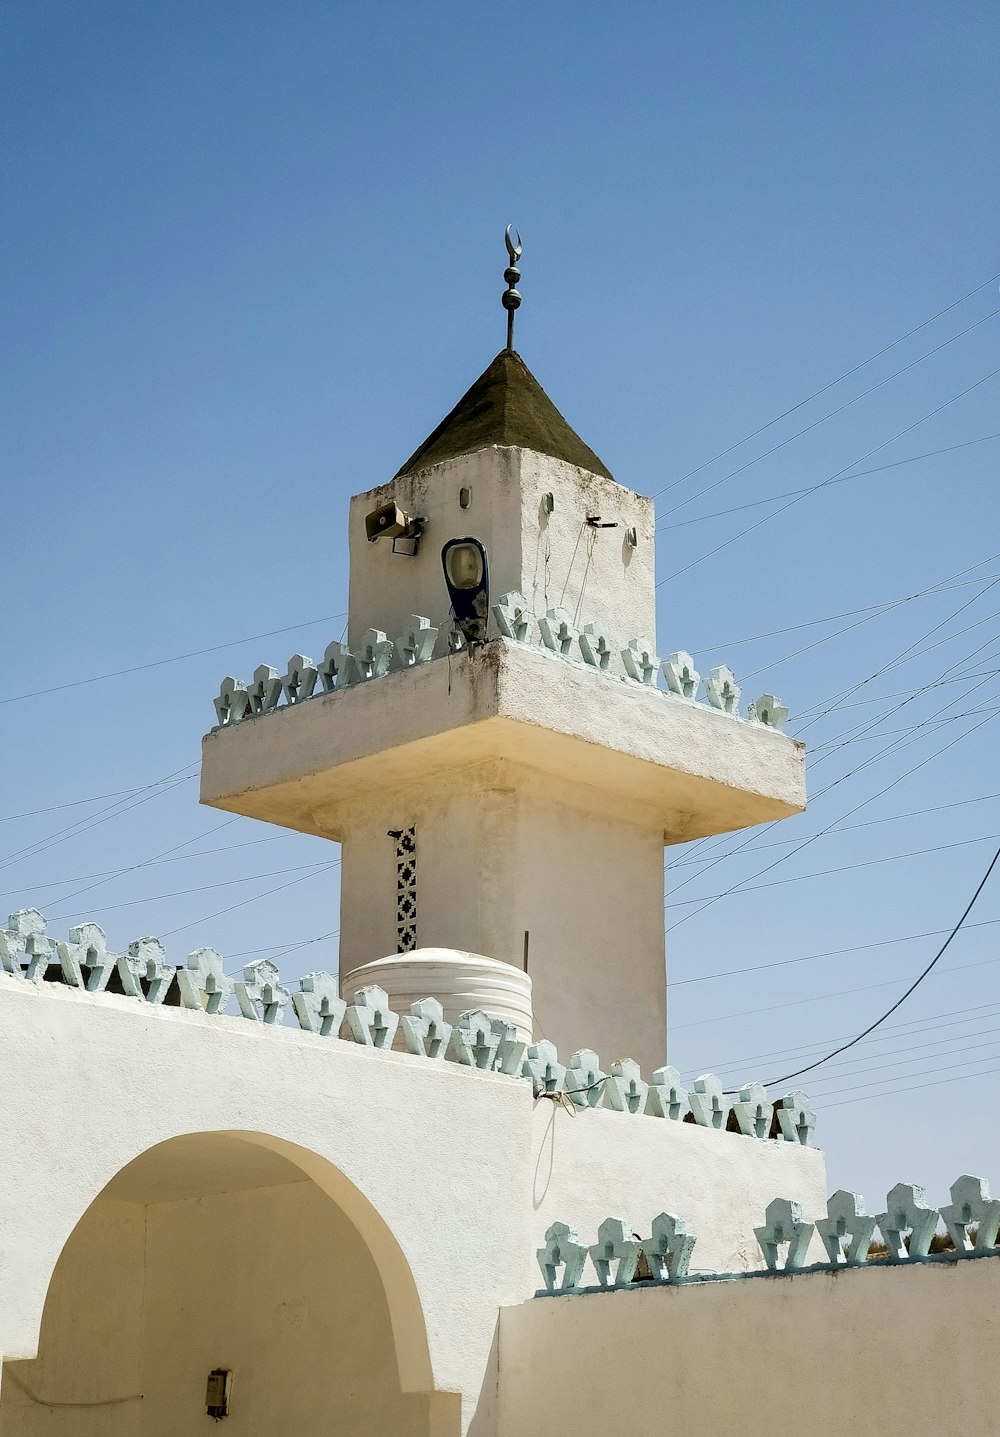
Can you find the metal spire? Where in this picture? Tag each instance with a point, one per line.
(510, 297)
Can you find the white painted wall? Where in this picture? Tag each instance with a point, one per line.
(592, 1165)
(879, 1352)
(553, 559)
(448, 1176)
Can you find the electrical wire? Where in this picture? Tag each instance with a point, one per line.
(810, 1067)
(937, 588)
(911, 1088)
(902, 1057)
(891, 1033)
(947, 1045)
(832, 414)
(898, 744)
(233, 907)
(164, 785)
(845, 868)
(183, 892)
(74, 803)
(819, 997)
(834, 701)
(148, 862)
(846, 479)
(174, 659)
(110, 873)
(948, 1068)
(824, 483)
(853, 827)
(832, 383)
(891, 748)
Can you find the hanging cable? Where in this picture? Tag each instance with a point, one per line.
(811, 1067)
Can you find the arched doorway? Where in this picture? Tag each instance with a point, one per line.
(233, 1253)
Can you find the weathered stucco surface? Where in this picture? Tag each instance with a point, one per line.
(879, 1351)
(553, 559)
(689, 769)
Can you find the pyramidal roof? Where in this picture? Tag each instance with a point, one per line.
(506, 406)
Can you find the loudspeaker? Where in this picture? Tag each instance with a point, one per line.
(389, 521)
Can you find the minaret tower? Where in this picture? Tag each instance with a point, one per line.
(510, 798)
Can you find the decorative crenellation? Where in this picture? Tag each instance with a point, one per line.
(477, 1040)
(585, 645)
(621, 1257)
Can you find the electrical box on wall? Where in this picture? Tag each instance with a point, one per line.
(218, 1392)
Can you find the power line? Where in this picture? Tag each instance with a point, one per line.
(182, 892)
(813, 489)
(110, 873)
(828, 872)
(74, 803)
(174, 659)
(914, 1088)
(907, 655)
(817, 643)
(832, 384)
(289, 948)
(905, 1062)
(835, 744)
(896, 746)
(846, 479)
(831, 415)
(819, 997)
(938, 588)
(853, 827)
(835, 700)
(893, 1030)
(146, 863)
(233, 907)
(798, 1072)
(948, 1068)
(163, 785)
(901, 1056)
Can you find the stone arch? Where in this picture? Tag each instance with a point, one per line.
(191, 1180)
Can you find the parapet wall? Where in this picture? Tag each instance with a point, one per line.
(886, 1349)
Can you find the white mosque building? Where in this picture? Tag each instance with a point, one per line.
(459, 1189)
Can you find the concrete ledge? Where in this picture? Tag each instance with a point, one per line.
(697, 770)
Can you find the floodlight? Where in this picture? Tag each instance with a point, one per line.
(467, 575)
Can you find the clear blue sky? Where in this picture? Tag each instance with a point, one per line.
(252, 254)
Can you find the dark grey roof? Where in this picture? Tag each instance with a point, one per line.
(506, 406)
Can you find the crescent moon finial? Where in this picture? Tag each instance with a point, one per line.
(514, 248)
(510, 299)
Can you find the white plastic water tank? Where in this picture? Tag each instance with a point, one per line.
(459, 981)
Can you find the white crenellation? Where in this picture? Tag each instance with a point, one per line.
(847, 1229)
(615, 1254)
(477, 1039)
(616, 1258)
(554, 632)
(784, 1228)
(972, 1206)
